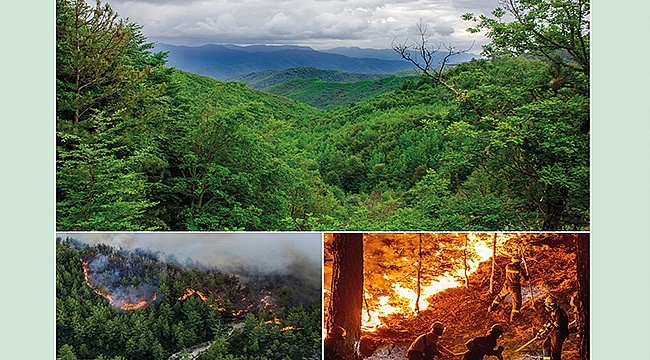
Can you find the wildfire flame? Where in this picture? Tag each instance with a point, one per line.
(122, 305)
(189, 292)
(287, 328)
(371, 318)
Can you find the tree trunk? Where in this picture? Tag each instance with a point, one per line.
(417, 299)
(582, 261)
(553, 207)
(347, 292)
(465, 261)
(494, 260)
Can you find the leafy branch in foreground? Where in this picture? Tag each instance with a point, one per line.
(557, 30)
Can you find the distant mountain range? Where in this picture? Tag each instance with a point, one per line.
(264, 79)
(224, 62)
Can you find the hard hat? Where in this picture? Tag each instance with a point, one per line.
(497, 327)
(437, 325)
(550, 302)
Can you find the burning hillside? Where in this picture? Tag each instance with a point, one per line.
(411, 280)
(131, 280)
(114, 302)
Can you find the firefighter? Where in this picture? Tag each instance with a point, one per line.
(557, 327)
(426, 346)
(482, 346)
(335, 336)
(512, 286)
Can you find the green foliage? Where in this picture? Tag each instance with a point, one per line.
(329, 95)
(265, 79)
(489, 145)
(66, 353)
(100, 179)
(102, 61)
(557, 30)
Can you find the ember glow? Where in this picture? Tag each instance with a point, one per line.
(189, 292)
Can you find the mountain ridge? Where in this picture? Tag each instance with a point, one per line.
(267, 78)
(223, 62)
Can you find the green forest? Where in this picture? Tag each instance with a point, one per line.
(495, 144)
(225, 317)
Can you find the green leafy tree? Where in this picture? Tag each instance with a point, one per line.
(530, 148)
(100, 184)
(558, 30)
(107, 84)
(66, 353)
(99, 60)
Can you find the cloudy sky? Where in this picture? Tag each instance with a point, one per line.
(321, 24)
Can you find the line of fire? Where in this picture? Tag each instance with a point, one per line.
(383, 290)
(131, 281)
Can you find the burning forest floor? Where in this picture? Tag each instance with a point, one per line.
(464, 310)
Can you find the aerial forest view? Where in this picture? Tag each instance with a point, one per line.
(497, 141)
(519, 296)
(117, 300)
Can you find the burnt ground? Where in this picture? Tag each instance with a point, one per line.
(464, 311)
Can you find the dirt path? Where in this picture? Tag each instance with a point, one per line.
(195, 351)
(192, 352)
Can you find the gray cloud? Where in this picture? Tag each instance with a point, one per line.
(317, 23)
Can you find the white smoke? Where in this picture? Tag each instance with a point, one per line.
(233, 253)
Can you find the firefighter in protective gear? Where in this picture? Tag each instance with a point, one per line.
(426, 346)
(557, 327)
(482, 346)
(512, 286)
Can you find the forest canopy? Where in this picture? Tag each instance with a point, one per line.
(141, 146)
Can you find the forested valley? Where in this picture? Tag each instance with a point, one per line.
(117, 304)
(494, 144)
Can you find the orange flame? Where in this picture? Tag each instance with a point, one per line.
(189, 292)
(213, 304)
(130, 306)
(371, 318)
(125, 305)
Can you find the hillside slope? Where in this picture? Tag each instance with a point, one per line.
(330, 95)
(268, 78)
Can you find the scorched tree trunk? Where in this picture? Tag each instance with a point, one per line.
(347, 291)
(582, 260)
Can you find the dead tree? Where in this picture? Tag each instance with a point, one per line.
(465, 261)
(494, 260)
(421, 55)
